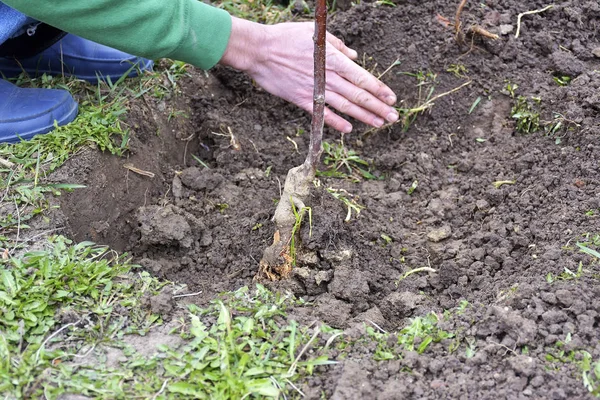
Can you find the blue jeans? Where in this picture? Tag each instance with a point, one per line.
(13, 23)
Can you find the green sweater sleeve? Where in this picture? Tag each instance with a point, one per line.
(185, 30)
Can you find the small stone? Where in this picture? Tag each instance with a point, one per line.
(200, 179)
(596, 52)
(478, 253)
(505, 29)
(436, 206)
(206, 239)
(435, 366)
(177, 187)
(537, 381)
(349, 284)
(437, 235)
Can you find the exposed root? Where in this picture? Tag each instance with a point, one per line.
(277, 262)
(476, 29)
(529, 13)
(460, 34)
(457, 24)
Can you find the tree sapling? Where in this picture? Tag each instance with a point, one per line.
(278, 259)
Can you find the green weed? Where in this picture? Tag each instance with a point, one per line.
(298, 218)
(413, 187)
(511, 89)
(458, 70)
(348, 200)
(343, 162)
(413, 271)
(589, 369)
(526, 114)
(249, 351)
(590, 373)
(562, 80)
(417, 336)
(566, 275)
(590, 246)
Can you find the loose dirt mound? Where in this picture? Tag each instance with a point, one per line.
(508, 249)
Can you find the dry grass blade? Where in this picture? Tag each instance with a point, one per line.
(131, 168)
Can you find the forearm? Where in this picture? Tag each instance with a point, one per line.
(186, 30)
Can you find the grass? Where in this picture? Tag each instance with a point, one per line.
(345, 163)
(266, 12)
(566, 275)
(416, 336)
(590, 246)
(24, 184)
(348, 200)
(82, 282)
(526, 114)
(583, 360)
(65, 300)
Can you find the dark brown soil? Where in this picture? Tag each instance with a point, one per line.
(494, 247)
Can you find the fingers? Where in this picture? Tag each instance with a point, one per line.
(358, 103)
(336, 122)
(331, 119)
(339, 44)
(358, 111)
(360, 78)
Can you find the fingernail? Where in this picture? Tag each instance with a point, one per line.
(378, 122)
(391, 99)
(347, 129)
(392, 117)
(353, 54)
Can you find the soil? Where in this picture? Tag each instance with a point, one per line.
(506, 250)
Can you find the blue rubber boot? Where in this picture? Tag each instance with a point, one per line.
(82, 58)
(25, 113)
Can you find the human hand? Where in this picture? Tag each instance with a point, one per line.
(280, 59)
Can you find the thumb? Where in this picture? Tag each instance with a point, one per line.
(339, 44)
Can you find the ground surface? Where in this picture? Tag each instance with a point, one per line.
(523, 300)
